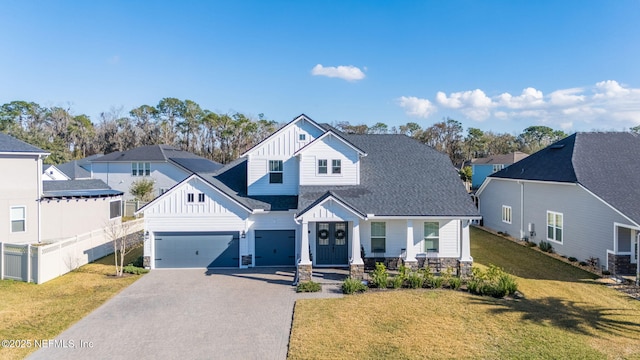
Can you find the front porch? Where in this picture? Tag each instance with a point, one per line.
(623, 259)
(335, 235)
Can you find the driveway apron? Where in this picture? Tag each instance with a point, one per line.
(188, 314)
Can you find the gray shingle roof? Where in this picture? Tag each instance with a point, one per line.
(185, 159)
(77, 188)
(606, 163)
(73, 170)
(400, 177)
(10, 144)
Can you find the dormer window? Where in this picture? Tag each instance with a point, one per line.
(302, 137)
(336, 166)
(275, 172)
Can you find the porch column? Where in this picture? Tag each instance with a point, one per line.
(356, 267)
(410, 251)
(304, 264)
(466, 260)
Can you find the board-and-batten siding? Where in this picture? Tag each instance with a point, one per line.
(281, 146)
(588, 229)
(396, 237)
(216, 213)
(330, 210)
(329, 148)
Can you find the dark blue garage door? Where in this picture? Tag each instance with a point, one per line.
(196, 249)
(275, 247)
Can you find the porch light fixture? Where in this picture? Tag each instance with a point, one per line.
(243, 234)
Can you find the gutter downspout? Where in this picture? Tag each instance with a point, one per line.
(637, 260)
(39, 200)
(521, 210)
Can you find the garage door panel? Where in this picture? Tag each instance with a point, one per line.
(275, 247)
(196, 250)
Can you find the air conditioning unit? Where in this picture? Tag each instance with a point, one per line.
(532, 229)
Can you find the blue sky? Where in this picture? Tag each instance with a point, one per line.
(495, 65)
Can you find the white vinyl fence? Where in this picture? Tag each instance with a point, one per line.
(40, 264)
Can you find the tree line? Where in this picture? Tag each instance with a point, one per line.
(181, 123)
(223, 137)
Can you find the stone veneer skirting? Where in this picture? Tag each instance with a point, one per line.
(437, 265)
(621, 264)
(304, 272)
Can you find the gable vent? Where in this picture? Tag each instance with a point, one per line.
(556, 146)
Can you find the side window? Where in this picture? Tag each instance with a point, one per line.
(322, 166)
(115, 209)
(275, 172)
(336, 166)
(378, 237)
(431, 237)
(18, 219)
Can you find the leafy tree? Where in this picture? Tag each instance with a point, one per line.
(474, 144)
(142, 189)
(410, 129)
(445, 136)
(535, 138)
(465, 173)
(378, 128)
(635, 129)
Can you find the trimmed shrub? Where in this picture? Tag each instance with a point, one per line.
(531, 244)
(351, 286)
(397, 281)
(493, 282)
(415, 280)
(138, 262)
(130, 269)
(455, 283)
(583, 263)
(436, 282)
(380, 276)
(572, 259)
(546, 246)
(308, 286)
(606, 272)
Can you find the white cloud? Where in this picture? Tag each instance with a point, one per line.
(606, 104)
(349, 73)
(417, 107)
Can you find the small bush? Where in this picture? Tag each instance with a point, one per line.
(351, 286)
(380, 276)
(572, 259)
(493, 282)
(606, 272)
(455, 283)
(583, 263)
(546, 246)
(138, 262)
(531, 244)
(436, 282)
(308, 286)
(130, 269)
(415, 280)
(397, 281)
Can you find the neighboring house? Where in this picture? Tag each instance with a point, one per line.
(38, 211)
(164, 164)
(309, 195)
(483, 167)
(581, 194)
(78, 169)
(51, 172)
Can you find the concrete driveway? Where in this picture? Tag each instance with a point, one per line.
(189, 314)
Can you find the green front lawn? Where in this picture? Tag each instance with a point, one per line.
(564, 315)
(30, 311)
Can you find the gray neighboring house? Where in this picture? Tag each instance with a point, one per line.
(311, 196)
(164, 164)
(39, 211)
(581, 194)
(78, 169)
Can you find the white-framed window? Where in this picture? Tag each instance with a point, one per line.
(275, 172)
(497, 167)
(554, 226)
(431, 236)
(378, 237)
(115, 209)
(506, 214)
(189, 197)
(302, 137)
(322, 166)
(336, 166)
(140, 169)
(200, 197)
(18, 216)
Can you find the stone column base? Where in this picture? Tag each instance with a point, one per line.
(146, 262)
(356, 271)
(304, 272)
(464, 268)
(413, 265)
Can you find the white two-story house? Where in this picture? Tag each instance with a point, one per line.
(311, 196)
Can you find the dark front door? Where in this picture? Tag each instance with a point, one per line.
(332, 244)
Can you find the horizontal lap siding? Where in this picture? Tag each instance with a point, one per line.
(588, 222)
(329, 149)
(496, 194)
